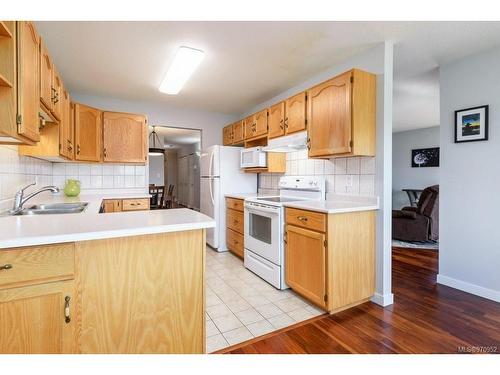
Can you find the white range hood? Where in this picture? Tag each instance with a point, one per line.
(287, 143)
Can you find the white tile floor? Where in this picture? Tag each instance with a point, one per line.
(241, 306)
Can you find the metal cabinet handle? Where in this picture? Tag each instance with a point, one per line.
(78, 149)
(67, 317)
(308, 143)
(104, 151)
(302, 218)
(6, 267)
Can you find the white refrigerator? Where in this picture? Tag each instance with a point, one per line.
(221, 175)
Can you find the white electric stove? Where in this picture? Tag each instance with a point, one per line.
(264, 226)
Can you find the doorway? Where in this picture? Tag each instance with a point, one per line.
(174, 167)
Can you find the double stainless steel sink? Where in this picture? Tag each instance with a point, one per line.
(53, 208)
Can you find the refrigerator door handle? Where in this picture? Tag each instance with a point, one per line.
(211, 190)
(210, 166)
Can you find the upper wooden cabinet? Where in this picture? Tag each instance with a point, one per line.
(341, 116)
(295, 113)
(66, 127)
(58, 88)
(28, 81)
(256, 125)
(88, 133)
(46, 75)
(276, 120)
(124, 137)
(227, 135)
(238, 133)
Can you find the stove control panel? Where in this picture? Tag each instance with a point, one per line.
(315, 183)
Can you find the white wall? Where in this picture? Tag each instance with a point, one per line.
(378, 60)
(156, 170)
(210, 123)
(470, 180)
(403, 175)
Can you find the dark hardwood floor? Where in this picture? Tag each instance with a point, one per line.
(425, 318)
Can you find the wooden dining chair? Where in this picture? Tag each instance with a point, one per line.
(169, 198)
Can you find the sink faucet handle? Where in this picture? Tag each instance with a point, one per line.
(27, 186)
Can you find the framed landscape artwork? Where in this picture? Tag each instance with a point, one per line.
(471, 124)
(425, 157)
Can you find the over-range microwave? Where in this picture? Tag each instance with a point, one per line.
(253, 157)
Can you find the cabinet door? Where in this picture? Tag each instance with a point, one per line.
(329, 117)
(305, 263)
(249, 127)
(66, 136)
(34, 319)
(88, 133)
(28, 85)
(260, 121)
(276, 120)
(46, 75)
(112, 205)
(57, 89)
(295, 118)
(238, 132)
(227, 137)
(125, 135)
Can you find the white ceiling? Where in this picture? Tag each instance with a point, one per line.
(175, 138)
(246, 63)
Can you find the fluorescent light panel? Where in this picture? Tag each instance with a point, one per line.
(185, 62)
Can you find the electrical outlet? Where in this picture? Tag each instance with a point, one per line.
(348, 181)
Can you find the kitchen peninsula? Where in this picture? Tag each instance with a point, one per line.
(126, 282)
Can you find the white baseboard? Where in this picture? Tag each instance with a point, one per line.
(383, 299)
(480, 291)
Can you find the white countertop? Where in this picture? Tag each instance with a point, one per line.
(16, 231)
(243, 195)
(337, 203)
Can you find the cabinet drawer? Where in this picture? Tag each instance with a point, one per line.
(234, 220)
(234, 204)
(234, 241)
(37, 264)
(135, 204)
(306, 219)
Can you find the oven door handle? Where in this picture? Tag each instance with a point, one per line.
(261, 209)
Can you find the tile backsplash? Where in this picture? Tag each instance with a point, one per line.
(349, 175)
(17, 171)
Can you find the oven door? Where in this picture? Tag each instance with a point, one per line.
(263, 231)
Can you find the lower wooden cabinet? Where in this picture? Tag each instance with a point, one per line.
(140, 294)
(119, 205)
(235, 226)
(38, 319)
(330, 259)
(306, 263)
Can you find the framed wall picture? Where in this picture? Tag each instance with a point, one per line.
(471, 124)
(425, 157)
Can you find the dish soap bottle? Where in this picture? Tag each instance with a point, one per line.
(72, 188)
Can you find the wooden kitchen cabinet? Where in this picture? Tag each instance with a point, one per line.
(330, 258)
(238, 133)
(56, 138)
(227, 135)
(111, 205)
(88, 133)
(288, 117)
(33, 293)
(256, 125)
(235, 226)
(28, 81)
(58, 92)
(305, 263)
(277, 120)
(46, 77)
(124, 138)
(341, 116)
(34, 319)
(119, 205)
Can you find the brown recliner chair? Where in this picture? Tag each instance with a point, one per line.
(419, 223)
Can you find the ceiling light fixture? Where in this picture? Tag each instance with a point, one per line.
(185, 62)
(153, 148)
